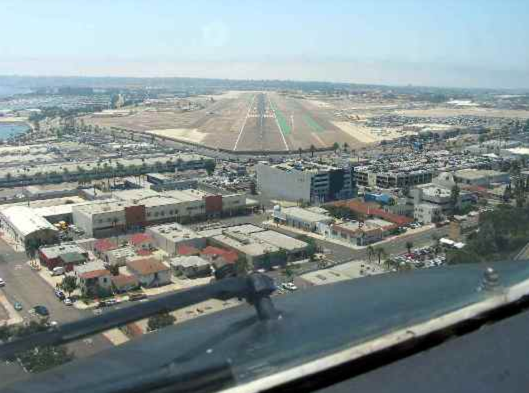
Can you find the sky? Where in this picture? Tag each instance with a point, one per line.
(465, 43)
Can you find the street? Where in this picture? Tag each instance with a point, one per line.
(28, 288)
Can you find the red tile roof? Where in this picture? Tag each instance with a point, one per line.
(147, 266)
(363, 208)
(228, 255)
(210, 250)
(139, 238)
(144, 253)
(94, 274)
(122, 280)
(103, 245)
(187, 250)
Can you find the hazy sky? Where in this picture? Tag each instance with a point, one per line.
(423, 42)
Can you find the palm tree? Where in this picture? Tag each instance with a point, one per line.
(312, 149)
(335, 146)
(300, 150)
(370, 252)
(409, 246)
(345, 147)
(380, 253)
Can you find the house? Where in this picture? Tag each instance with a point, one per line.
(185, 250)
(190, 266)
(150, 272)
(123, 283)
(216, 254)
(141, 241)
(103, 245)
(118, 256)
(94, 280)
(58, 256)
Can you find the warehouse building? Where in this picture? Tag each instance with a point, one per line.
(300, 218)
(170, 237)
(27, 227)
(262, 248)
(480, 177)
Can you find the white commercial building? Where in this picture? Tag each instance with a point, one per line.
(298, 217)
(100, 218)
(304, 181)
(27, 227)
(427, 213)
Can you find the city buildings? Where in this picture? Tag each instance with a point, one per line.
(303, 181)
(483, 178)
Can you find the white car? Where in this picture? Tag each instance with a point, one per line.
(68, 302)
(289, 286)
(2, 283)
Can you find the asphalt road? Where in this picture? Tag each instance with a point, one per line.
(27, 287)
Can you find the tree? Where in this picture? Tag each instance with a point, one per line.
(312, 149)
(209, 166)
(345, 147)
(335, 146)
(44, 358)
(454, 197)
(300, 151)
(312, 247)
(159, 321)
(69, 284)
(380, 253)
(409, 246)
(242, 266)
(114, 270)
(370, 252)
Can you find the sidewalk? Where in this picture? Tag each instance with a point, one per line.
(11, 242)
(116, 336)
(14, 316)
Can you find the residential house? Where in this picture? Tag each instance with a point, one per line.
(93, 279)
(123, 283)
(150, 272)
(191, 266)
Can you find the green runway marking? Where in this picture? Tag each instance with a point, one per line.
(312, 124)
(283, 123)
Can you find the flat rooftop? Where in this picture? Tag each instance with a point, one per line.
(102, 207)
(306, 215)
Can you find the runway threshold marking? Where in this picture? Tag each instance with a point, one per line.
(244, 123)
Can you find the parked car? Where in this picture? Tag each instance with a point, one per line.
(289, 286)
(58, 271)
(137, 296)
(68, 302)
(18, 306)
(41, 310)
(2, 283)
(60, 294)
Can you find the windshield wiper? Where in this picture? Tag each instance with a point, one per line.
(255, 288)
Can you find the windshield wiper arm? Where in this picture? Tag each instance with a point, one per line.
(255, 288)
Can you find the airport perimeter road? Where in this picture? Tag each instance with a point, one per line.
(27, 287)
